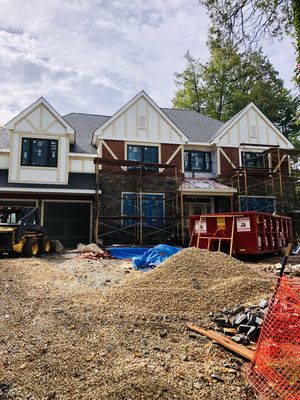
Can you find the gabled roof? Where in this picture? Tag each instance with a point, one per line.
(141, 94)
(197, 127)
(223, 129)
(69, 129)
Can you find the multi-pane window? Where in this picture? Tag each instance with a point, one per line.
(152, 206)
(198, 161)
(148, 154)
(254, 160)
(39, 152)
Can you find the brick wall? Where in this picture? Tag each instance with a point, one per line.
(225, 167)
(110, 207)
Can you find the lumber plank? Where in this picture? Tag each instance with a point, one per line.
(224, 341)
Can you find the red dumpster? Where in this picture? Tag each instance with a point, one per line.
(238, 233)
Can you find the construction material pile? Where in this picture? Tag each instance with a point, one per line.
(127, 340)
(243, 323)
(190, 283)
(91, 252)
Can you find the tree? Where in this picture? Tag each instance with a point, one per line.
(246, 21)
(229, 81)
(189, 96)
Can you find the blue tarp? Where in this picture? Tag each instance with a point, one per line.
(127, 252)
(155, 256)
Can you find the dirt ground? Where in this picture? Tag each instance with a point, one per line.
(64, 335)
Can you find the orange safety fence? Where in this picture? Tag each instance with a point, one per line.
(275, 369)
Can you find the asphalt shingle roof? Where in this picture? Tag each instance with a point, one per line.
(84, 125)
(76, 181)
(197, 127)
(4, 139)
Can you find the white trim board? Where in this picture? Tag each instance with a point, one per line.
(21, 200)
(207, 192)
(141, 94)
(83, 155)
(223, 129)
(44, 190)
(41, 101)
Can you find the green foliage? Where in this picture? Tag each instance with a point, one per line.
(247, 21)
(296, 24)
(188, 95)
(231, 80)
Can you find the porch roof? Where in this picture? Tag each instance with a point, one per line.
(206, 187)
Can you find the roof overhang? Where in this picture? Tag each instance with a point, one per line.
(142, 93)
(224, 128)
(42, 101)
(206, 187)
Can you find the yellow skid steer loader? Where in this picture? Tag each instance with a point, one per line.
(21, 232)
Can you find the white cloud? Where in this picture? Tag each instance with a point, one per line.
(92, 56)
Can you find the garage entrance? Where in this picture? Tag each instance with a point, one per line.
(68, 222)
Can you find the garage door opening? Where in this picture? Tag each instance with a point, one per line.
(68, 222)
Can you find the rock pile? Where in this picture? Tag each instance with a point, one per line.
(242, 323)
(291, 269)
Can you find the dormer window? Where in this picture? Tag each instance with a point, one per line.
(39, 152)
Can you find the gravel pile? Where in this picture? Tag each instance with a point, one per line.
(190, 283)
(62, 339)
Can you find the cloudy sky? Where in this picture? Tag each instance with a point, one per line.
(94, 55)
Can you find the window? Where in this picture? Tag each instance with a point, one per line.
(153, 209)
(39, 152)
(197, 161)
(144, 154)
(264, 204)
(254, 160)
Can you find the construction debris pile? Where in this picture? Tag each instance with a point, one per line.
(124, 341)
(91, 252)
(242, 323)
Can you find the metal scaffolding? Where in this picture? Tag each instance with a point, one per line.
(269, 180)
(143, 179)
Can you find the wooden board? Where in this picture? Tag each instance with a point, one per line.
(224, 341)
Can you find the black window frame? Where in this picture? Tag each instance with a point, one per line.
(52, 145)
(254, 159)
(204, 154)
(143, 147)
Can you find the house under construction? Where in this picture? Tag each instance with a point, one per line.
(136, 177)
